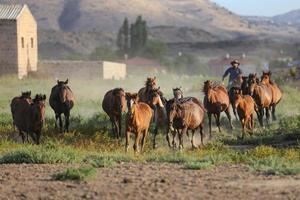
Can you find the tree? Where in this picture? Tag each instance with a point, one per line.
(138, 35)
(123, 37)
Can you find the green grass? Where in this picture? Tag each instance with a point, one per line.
(91, 142)
(80, 174)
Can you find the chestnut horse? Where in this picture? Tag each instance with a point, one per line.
(186, 116)
(216, 100)
(144, 93)
(114, 103)
(262, 95)
(62, 101)
(138, 119)
(245, 107)
(276, 92)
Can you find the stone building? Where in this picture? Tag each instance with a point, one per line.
(18, 40)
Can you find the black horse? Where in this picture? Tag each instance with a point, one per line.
(62, 101)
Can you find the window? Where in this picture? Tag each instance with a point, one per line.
(31, 42)
(22, 41)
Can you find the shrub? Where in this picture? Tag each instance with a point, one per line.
(198, 165)
(80, 174)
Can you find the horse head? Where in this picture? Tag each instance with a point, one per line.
(131, 99)
(177, 92)
(155, 98)
(120, 99)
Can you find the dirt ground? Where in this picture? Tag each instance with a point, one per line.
(146, 181)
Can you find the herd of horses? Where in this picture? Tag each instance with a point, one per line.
(176, 117)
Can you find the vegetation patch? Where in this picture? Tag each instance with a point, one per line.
(80, 174)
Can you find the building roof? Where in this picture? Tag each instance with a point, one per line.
(10, 11)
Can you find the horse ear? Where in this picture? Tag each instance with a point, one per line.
(29, 93)
(154, 78)
(66, 82)
(127, 94)
(44, 97)
(57, 81)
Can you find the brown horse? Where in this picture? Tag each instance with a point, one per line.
(186, 116)
(114, 103)
(29, 116)
(144, 93)
(262, 95)
(158, 102)
(62, 101)
(216, 100)
(276, 92)
(138, 120)
(245, 107)
(177, 93)
(16, 100)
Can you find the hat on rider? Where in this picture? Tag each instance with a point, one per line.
(235, 62)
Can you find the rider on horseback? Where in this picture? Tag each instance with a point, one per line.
(235, 75)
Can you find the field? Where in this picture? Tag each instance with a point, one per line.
(89, 163)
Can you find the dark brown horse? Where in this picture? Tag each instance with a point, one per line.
(157, 102)
(144, 93)
(29, 116)
(16, 100)
(62, 101)
(216, 100)
(186, 116)
(276, 92)
(262, 95)
(177, 93)
(114, 103)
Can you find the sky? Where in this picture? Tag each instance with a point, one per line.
(259, 7)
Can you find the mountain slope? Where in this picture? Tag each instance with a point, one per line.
(104, 15)
(292, 17)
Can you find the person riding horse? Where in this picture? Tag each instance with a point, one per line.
(235, 75)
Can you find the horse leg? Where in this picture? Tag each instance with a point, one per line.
(116, 127)
(37, 139)
(168, 138)
(174, 135)
(145, 133)
(56, 118)
(67, 121)
(60, 124)
(201, 134)
(227, 112)
(274, 118)
(268, 116)
(180, 140)
(217, 116)
(209, 122)
(243, 121)
(127, 141)
(192, 140)
(120, 126)
(22, 135)
(260, 116)
(154, 137)
(136, 142)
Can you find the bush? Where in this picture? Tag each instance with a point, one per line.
(198, 165)
(48, 154)
(274, 165)
(155, 49)
(80, 174)
(103, 53)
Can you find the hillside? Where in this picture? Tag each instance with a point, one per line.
(291, 18)
(79, 26)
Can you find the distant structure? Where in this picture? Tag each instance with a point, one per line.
(113, 70)
(18, 40)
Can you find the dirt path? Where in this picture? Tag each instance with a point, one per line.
(146, 181)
